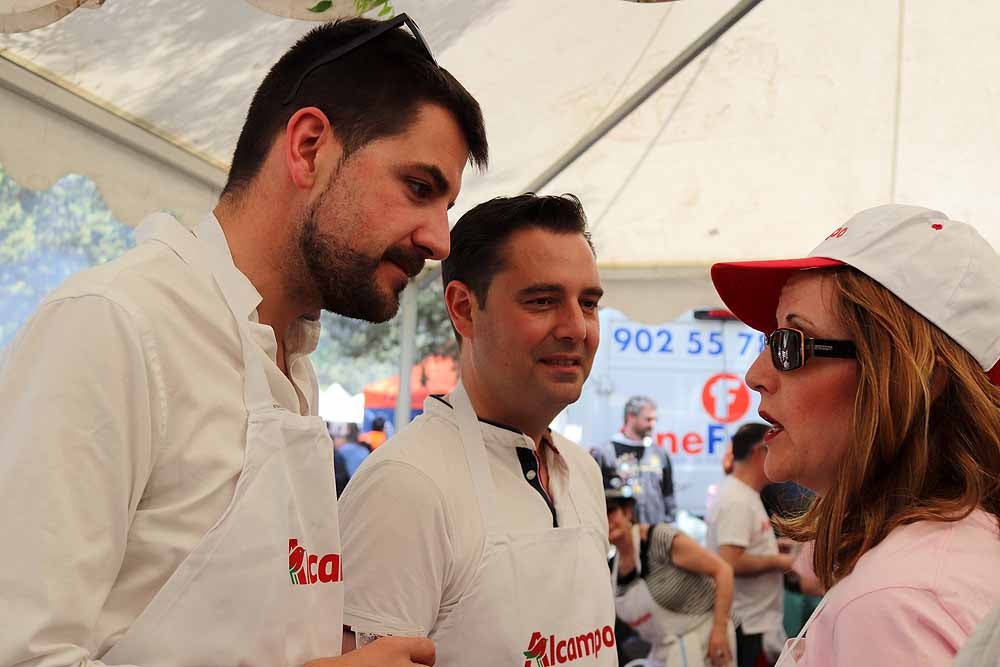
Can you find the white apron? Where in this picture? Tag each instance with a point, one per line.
(796, 648)
(539, 598)
(675, 639)
(264, 585)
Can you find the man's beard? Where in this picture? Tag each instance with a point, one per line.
(345, 277)
(639, 432)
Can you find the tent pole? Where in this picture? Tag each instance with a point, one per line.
(717, 30)
(407, 350)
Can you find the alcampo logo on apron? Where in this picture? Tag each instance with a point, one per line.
(549, 651)
(305, 568)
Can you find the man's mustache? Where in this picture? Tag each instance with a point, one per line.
(411, 262)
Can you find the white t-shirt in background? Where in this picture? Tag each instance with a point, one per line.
(738, 518)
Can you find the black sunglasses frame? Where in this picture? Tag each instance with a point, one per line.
(360, 41)
(805, 347)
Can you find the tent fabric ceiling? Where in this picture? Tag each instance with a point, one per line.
(49, 132)
(801, 115)
(25, 15)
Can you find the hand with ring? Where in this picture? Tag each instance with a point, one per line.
(719, 652)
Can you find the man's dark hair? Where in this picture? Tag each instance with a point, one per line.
(623, 503)
(351, 432)
(369, 93)
(378, 424)
(746, 437)
(479, 237)
(635, 404)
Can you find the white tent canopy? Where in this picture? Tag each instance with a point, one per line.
(336, 405)
(24, 15)
(802, 114)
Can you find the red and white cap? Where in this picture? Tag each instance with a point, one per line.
(941, 268)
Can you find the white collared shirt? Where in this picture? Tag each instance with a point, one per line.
(410, 523)
(123, 432)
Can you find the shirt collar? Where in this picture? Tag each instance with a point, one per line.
(242, 291)
(303, 337)
(495, 432)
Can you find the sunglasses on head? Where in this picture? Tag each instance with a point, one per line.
(790, 348)
(361, 40)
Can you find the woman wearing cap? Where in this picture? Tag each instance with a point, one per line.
(880, 385)
(675, 594)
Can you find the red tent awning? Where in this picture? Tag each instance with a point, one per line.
(433, 375)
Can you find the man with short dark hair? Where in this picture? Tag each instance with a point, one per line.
(740, 531)
(376, 436)
(476, 525)
(634, 454)
(166, 480)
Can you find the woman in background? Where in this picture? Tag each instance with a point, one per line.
(673, 592)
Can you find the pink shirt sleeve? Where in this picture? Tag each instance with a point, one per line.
(890, 626)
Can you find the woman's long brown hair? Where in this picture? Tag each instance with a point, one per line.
(926, 432)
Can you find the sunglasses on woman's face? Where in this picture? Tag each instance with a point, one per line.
(790, 348)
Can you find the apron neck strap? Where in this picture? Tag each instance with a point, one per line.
(471, 433)
(165, 229)
(475, 452)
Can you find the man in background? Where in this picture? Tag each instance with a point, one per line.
(376, 436)
(353, 451)
(634, 455)
(340, 475)
(740, 531)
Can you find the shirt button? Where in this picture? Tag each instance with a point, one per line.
(530, 475)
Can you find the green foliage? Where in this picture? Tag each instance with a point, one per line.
(364, 6)
(355, 353)
(360, 6)
(45, 236)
